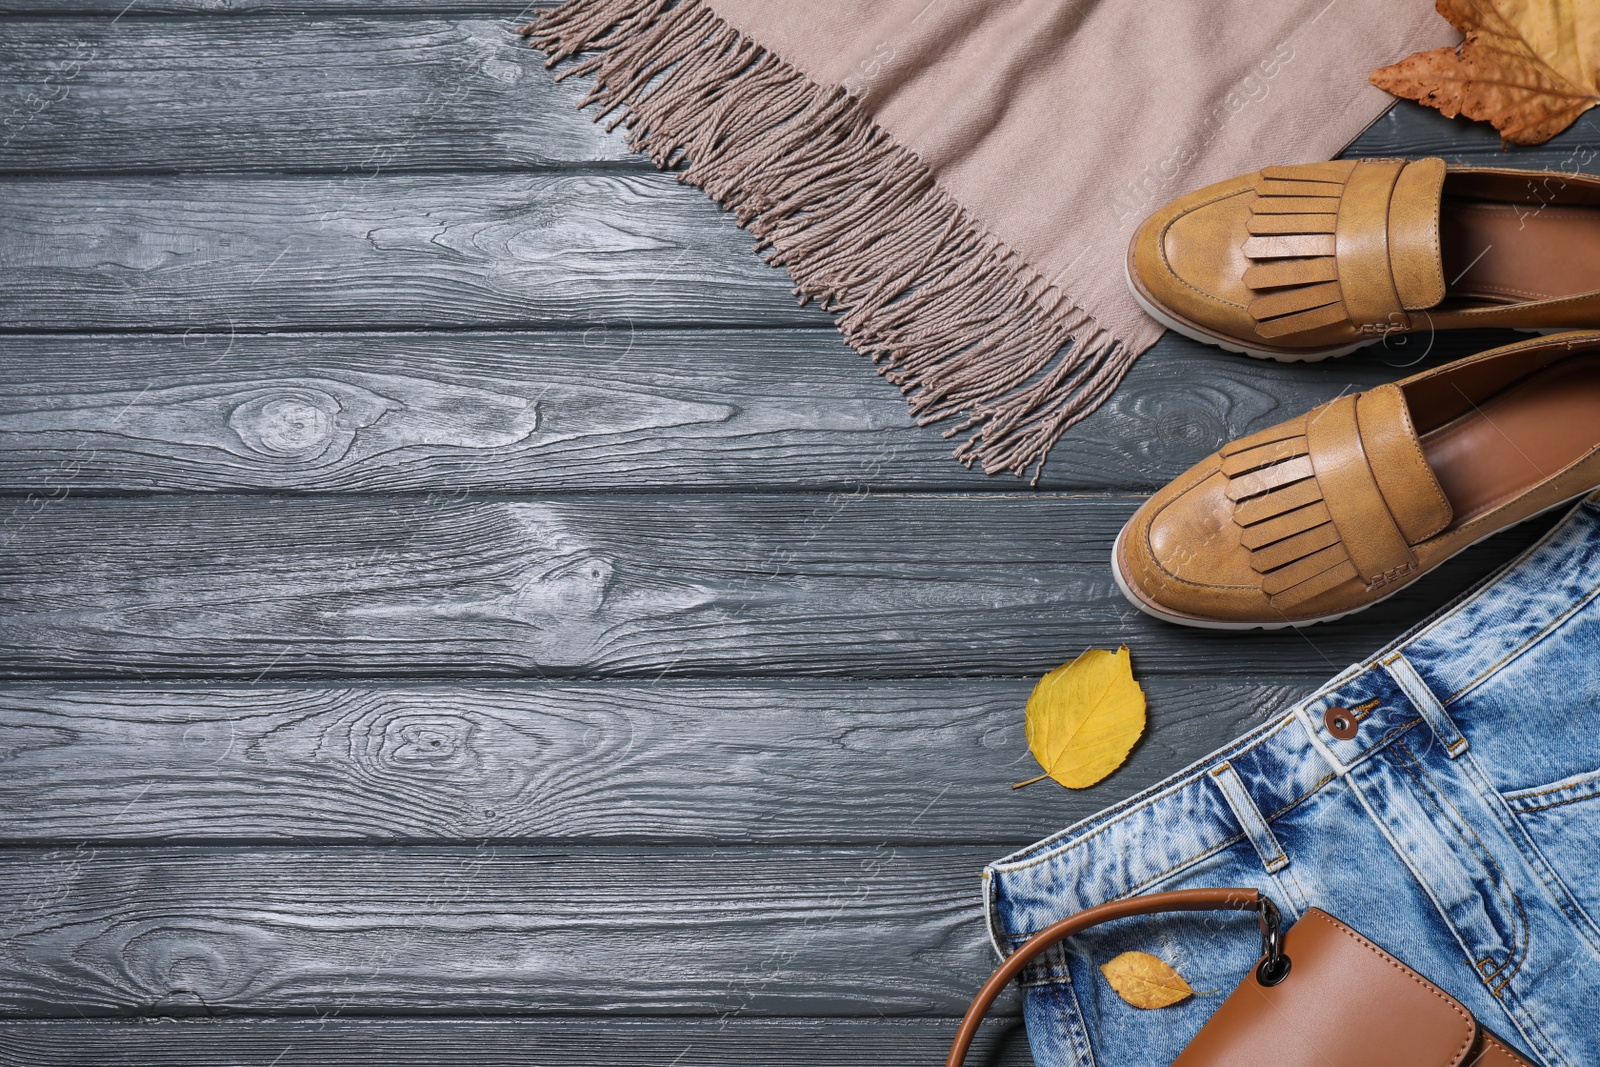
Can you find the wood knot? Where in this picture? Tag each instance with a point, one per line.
(174, 958)
(432, 741)
(295, 424)
(1186, 420)
(574, 586)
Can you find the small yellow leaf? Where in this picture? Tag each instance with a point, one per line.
(1146, 981)
(1084, 718)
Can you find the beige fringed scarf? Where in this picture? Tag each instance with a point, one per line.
(958, 179)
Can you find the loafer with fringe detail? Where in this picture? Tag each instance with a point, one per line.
(1316, 260)
(1331, 512)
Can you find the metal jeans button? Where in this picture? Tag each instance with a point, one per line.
(1341, 723)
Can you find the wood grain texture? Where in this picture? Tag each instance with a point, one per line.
(367, 95)
(387, 252)
(887, 930)
(85, 95)
(910, 762)
(649, 586)
(291, 753)
(228, 254)
(619, 409)
(685, 1042)
(1414, 131)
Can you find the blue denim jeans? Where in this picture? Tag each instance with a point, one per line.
(1442, 797)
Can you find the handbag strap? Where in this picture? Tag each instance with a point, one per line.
(1072, 925)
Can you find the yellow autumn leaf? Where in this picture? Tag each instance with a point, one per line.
(1145, 981)
(1530, 67)
(1085, 717)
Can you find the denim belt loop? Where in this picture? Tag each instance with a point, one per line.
(1250, 818)
(1422, 698)
(1302, 713)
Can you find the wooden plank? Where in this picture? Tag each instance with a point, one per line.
(358, 94)
(881, 930)
(394, 251)
(912, 762)
(621, 250)
(687, 1042)
(646, 586)
(217, 93)
(1414, 131)
(605, 409)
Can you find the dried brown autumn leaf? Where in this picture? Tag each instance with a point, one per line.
(1145, 981)
(1527, 66)
(1084, 718)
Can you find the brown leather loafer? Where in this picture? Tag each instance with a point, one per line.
(1311, 261)
(1334, 511)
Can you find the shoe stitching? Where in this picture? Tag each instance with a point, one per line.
(1435, 254)
(1200, 586)
(1482, 514)
(1508, 290)
(1536, 305)
(1416, 451)
(1150, 551)
(1161, 247)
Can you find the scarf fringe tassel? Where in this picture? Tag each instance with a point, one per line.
(946, 311)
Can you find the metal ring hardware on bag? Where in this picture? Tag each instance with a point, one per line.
(1274, 965)
(1405, 1020)
(1272, 969)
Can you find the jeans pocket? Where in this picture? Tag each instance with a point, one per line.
(1563, 818)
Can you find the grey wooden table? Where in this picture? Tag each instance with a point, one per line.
(458, 609)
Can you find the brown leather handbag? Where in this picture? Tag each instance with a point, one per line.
(1320, 996)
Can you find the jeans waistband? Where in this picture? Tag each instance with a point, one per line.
(1132, 847)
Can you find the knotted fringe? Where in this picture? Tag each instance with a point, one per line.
(1283, 520)
(946, 310)
(1291, 249)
